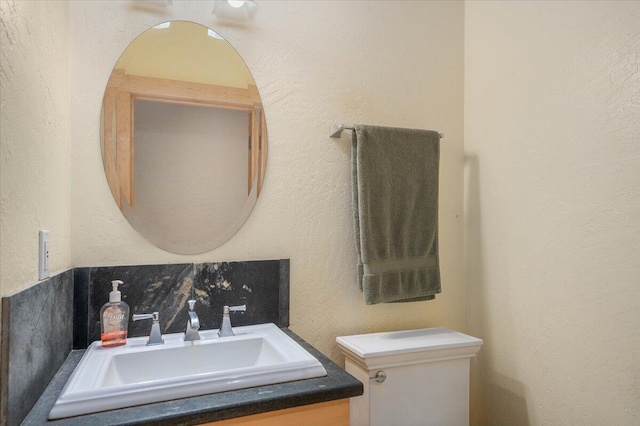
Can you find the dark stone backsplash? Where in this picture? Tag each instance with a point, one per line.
(166, 288)
(36, 339)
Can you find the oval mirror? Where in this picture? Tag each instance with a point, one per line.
(183, 137)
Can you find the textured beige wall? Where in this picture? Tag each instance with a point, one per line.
(552, 141)
(34, 138)
(315, 63)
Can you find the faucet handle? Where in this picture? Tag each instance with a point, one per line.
(154, 316)
(225, 328)
(228, 309)
(191, 303)
(155, 336)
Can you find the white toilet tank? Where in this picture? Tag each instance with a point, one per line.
(422, 377)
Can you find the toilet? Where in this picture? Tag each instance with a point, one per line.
(413, 377)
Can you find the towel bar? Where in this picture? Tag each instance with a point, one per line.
(335, 131)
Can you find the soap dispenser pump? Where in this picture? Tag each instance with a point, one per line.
(114, 318)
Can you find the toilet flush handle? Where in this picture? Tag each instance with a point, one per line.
(380, 376)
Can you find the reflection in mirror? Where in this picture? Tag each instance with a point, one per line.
(184, 137)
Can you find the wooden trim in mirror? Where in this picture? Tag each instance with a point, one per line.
(250, 143)
(211, 104)
(257, 157)
(109, 145)
(123, 89)
(255, 147)
(124, 145)
(184, 90)
(263, 151)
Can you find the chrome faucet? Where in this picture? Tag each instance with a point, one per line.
(225, 329)
(193, 324)
(155, 337)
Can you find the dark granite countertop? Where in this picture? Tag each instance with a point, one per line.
(337, 384)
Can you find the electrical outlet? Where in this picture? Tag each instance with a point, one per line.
(43, 255)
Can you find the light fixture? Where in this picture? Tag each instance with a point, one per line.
(235, 10)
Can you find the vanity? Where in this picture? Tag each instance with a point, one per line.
(323, 400)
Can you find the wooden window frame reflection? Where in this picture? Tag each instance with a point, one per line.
(117, 123)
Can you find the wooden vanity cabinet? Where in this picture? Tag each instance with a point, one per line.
(335, 413)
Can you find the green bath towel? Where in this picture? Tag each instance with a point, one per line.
(395, 200)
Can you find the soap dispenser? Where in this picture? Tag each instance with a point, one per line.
(114, 318)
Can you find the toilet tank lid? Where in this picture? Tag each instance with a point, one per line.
(408, 341)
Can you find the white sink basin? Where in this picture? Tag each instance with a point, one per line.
(134, 374)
